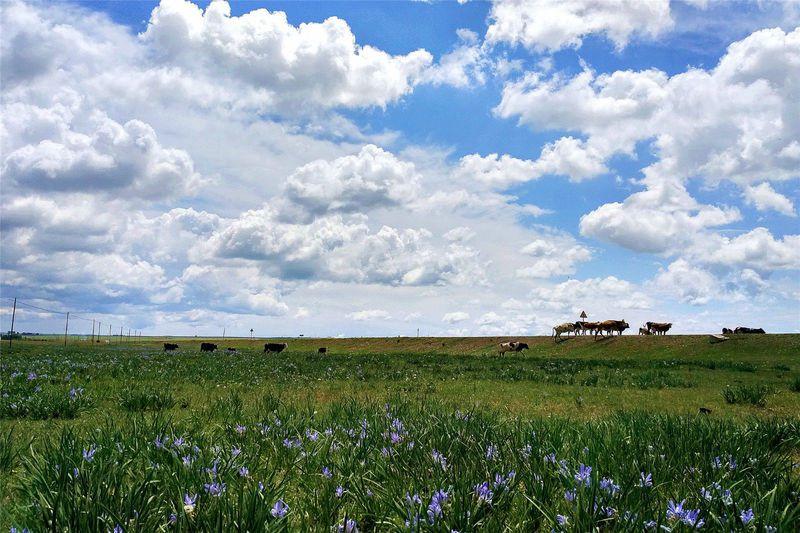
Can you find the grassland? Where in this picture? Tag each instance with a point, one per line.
(402, 433)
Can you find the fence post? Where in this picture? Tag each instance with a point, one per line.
(13, 315)
(66, 328)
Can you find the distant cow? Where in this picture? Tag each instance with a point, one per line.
(168, 346)
(659, 328)
(230, 350)
(512, 346)
(566, 327)
(742, 329)
(322, 350)
(726, 331)
(276, 347)
(207, 347)
(644, 331)
(610, 326)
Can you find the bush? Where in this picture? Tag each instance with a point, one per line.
(140, 399)
(795, 385)
(752, 394)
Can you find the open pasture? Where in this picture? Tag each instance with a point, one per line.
(431, 434)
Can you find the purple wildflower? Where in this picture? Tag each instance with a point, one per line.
(236, 451)
(280, 509)
(240, 429)
(118, 529)
(645, 480)
(173, 519)
(216, 488)
(561, 519)
(244, 471)
(88, 455)
(608, 485)
(491, 452)
(438, 499)
(187, 460)
(583, 475)
(349, 526)
(189, 502)
(326, 472)
(339, 491)
(569, 495)
(483, 492)
(747, 516)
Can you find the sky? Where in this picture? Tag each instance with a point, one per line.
(383, 168)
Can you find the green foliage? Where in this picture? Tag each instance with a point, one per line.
(7, 454)
(137, 472)
(752, 394)
(795, 385)
(37, 398)
(137, 399)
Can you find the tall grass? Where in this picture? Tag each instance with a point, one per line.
(752, 394)
(146, 399)
(407, 465)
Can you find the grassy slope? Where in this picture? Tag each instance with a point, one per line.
(465, 371)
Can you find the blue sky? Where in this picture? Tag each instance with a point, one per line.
(468, 169)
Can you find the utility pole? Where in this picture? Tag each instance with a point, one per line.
(223, 333)
(66, 328)
(109, 333)
(93, 332)
(120, 334)
(13, 315)
(99, 331)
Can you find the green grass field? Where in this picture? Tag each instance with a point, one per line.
(401, 434)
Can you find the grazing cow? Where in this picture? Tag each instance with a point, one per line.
(230, 350)
(644, 331)
(704, 411)
(591, 327)
(512, 346)
(726, 331)
(659, 328)
(207, 347)
(168, 346)
(610, 326)
(276, 347)
(742, 329)
(566, 327)
(581, 327)
(322, 350)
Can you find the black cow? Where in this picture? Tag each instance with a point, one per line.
(727, 331)
(276, 347)
(207, 347)
(230, 350)
(742, 329)
(322, 350)
(168, 346)
(521, 346)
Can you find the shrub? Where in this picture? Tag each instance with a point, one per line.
(752, 394)
(795, 385)
(140, 399)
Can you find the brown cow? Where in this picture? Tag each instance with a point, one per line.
(610, 326)
(659, 328)
(644, 331)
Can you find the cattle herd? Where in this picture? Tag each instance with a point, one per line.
(606, 327)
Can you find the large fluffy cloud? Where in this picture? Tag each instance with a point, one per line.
(739, 121)
(49, 150)
(371, 179)
(662, 218)
(553, 24)
(317, 64)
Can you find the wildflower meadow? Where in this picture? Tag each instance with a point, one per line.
(127, 438)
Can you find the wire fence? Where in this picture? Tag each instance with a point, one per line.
(76, 325)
